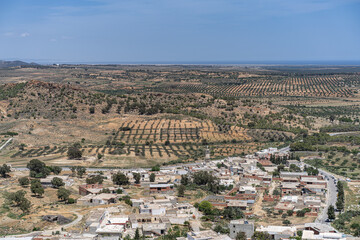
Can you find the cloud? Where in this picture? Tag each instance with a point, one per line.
(8, 34)
(25, 34)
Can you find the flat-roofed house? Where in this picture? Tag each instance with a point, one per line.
(279, 232)
(87, 188)
(46, 182)
(206, 235)
(290, 188)
(161, 188)
(241, 225)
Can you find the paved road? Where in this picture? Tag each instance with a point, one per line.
(331, 195)
(343, 133)
(6, 143)
(285, 149)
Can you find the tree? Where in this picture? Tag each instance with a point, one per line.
(4, 170)
(339, 205)
(294, 168)
(74, 152)
(184, 180)
(56, 170)
(57, 182)
(331, 212)
(38, 169)
(286, 222)
(152, 177)
(18, 199)
(24, 181)
(206, 178)
(261, 236)
(240, 236)
(15, 197)
(80, 171)
(290, 212)
(25, 205)
(181, 191)
(301, 213)
(36, 187)
(120, 179)
(276, 192)
(332, 118)
(137, 234)
(73, 170)
(341, 196)
(206, 207)
(63, 194)
(155, 168)
(312, 171)
(95, 179)
(232, 213)
(137, 177)
(219, 229)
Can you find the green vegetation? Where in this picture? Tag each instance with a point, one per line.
(57, 182)
(331, 212)
(74, 152)
(340, 196)
(18, 199)
(181, 191)
(137, 177)
(78, 171)
(95, 179)
(120, 179)
(63, 194)
(12, 91)
(36, 187)
(24, 181)
(38, 169)
(4, 170)
(348, 222)
(228, 213)
(152, 177)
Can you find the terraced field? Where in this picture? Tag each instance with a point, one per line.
(320, 86)
(176, 131)
(164, 140)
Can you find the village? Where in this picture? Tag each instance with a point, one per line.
(232, 198)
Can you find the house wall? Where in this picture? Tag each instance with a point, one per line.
(248, 229)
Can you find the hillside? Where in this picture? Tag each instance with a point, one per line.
(7, 64)
(140, 129)
(148, 127)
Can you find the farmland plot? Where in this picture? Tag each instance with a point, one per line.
(311, 86)
(176, 131)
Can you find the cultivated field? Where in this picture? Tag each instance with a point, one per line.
(144, 115)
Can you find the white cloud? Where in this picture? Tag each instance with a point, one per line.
(53, 40)
(25, 34)
(8, 34)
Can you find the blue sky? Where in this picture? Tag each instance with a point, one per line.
(126, 31)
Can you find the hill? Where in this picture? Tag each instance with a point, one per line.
(139, 129)
(142, 115)
(7, 64)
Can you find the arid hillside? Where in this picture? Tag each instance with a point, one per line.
(143, 115)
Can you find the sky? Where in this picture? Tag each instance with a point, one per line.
(179, 31)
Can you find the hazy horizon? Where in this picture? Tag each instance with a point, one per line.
(254, 63)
